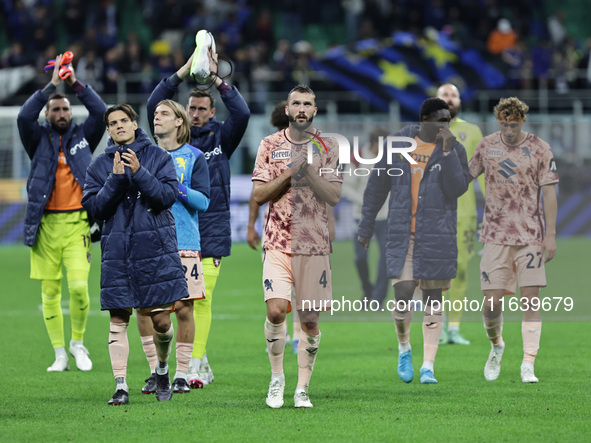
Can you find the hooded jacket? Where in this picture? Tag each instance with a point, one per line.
(445, 178)
(140, 265)
(42, 144)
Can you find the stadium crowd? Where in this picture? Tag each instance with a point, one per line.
(271, 47)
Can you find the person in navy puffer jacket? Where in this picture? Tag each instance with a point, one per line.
(422, 245)
(218, 141)
(132, 187)
(56, 224)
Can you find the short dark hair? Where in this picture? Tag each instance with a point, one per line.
(279, 118)
(124, 108)
(56, 96)
(302, 89)
(199, 93)
(430, 106)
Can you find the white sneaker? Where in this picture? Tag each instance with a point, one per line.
(80, 353)
(195, 380)
(527, 373)
(492, 369)
(275, 394)
(194, 377)
(301, 399)
(206, 374)
(200, 66)
(59, 365)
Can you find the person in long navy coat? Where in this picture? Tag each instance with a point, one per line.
(422, 244)
(131, 187)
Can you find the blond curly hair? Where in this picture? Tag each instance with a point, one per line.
(511, 109)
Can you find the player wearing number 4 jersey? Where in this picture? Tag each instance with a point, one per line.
(296, 236)
(518, 169)
(172, 130)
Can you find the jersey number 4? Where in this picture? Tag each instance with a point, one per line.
(194, 272)
(323, 280)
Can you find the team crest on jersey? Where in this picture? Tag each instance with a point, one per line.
(462, 136)
(181, 163)
(281, 154)
(491, 152)
(525, 151)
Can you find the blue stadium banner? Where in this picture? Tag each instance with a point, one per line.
(408, 69)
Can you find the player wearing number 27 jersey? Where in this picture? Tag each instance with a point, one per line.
(518, 230)
(514, 176)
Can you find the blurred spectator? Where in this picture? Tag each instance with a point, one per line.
(134, 56)
(289, 14)
(108, 16)
(455, 28)
(112, 69)
(434, 14)
(301, 70)
(148, 79)
(169, 14)
(218, 10)
(501, 38)
(366, 30)
(229, 33)
(242, 67)
(105, 40)
(585, 66)
(282, 62)
(90, 70)
(19, 22)
(164, 66)
(261, 75)
(353, 10)
(515, 57)
(382, 15)
(199, 20)
(75, 14)
(14, 56)
(264, 28)
(566, 60)
(541, 56)
(556, 28)
(44, 24)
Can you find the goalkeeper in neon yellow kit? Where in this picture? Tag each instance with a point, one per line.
(469, 135)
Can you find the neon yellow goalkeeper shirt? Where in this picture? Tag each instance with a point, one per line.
(468, 134)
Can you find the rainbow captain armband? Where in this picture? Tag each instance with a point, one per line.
(65, 65)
